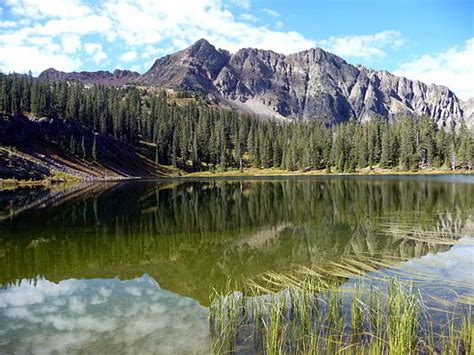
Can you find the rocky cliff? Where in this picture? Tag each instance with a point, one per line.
(118, 77)
(311, 84)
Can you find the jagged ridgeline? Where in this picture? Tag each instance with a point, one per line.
(134, 130)
(308, 85)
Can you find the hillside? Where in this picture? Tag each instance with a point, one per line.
(52, 149)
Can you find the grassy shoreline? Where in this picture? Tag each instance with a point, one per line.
(249, 172)
(359, 172)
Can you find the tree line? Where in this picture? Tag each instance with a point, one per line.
(198, 135)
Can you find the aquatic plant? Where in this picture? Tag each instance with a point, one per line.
(286, 315)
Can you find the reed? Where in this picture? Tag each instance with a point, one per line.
(286, 315)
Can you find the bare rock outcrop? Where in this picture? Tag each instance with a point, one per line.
(308, 85)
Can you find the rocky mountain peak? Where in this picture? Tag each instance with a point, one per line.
(309, 85)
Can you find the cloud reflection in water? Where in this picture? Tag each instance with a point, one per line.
(100, 315)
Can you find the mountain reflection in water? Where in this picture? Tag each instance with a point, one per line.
(190, 236)
(80, 265)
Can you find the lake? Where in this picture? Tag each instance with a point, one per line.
(129, 267)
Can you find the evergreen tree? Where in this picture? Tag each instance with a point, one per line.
(465, 151)
(210, 137)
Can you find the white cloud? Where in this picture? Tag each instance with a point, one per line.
(147, 65)
(271, 12)
(248, 17)
(452, 68)
(56, 30)
(150, 51)
(48, 8)
(245, 4)
(129, 56)
(182, 22)
(80, 26)
(363, 46)
(96, 51)
(71, 43)
(21, 59)
(74, 315)
(27, 293)
(8, 24)
(136, 68)
(77, 305)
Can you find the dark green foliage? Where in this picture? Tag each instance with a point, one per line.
(196, 136)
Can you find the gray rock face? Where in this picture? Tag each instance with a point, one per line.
(312, 84)
(118, 77)
(194, 68)
(468, 110)
(309, 85)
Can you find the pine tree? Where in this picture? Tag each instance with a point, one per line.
(174, 150)
(427, 147)
(465, 150)
(340, 153)
(386, 153)
(407, 144)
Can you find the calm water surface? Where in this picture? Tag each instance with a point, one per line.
(129, 267)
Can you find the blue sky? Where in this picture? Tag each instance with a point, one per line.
(429, 40)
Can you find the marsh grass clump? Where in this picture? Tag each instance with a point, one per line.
(285, 316)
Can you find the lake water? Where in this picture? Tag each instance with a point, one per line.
(129, 267)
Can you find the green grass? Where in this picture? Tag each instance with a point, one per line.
(284, 316)
(252, 171)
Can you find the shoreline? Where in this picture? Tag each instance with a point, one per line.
(361, 172)
(247, 173)
(48, 182)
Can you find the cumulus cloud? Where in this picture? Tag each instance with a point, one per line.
(51, 8)
(80, 26)
(245, 4)
(129, 56)
(148, 29)
(99, 316)
(271, 12)
(96, 51)
(452, 68)
(138, 25)
(21, 59)
(144, 23)
(71, 43)
(363, 46)
(248, 17)
(8, 24)
(27, 293)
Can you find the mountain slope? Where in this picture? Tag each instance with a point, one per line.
(37, 151)
(311, 84)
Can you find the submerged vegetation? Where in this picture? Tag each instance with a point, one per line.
(307, 315)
